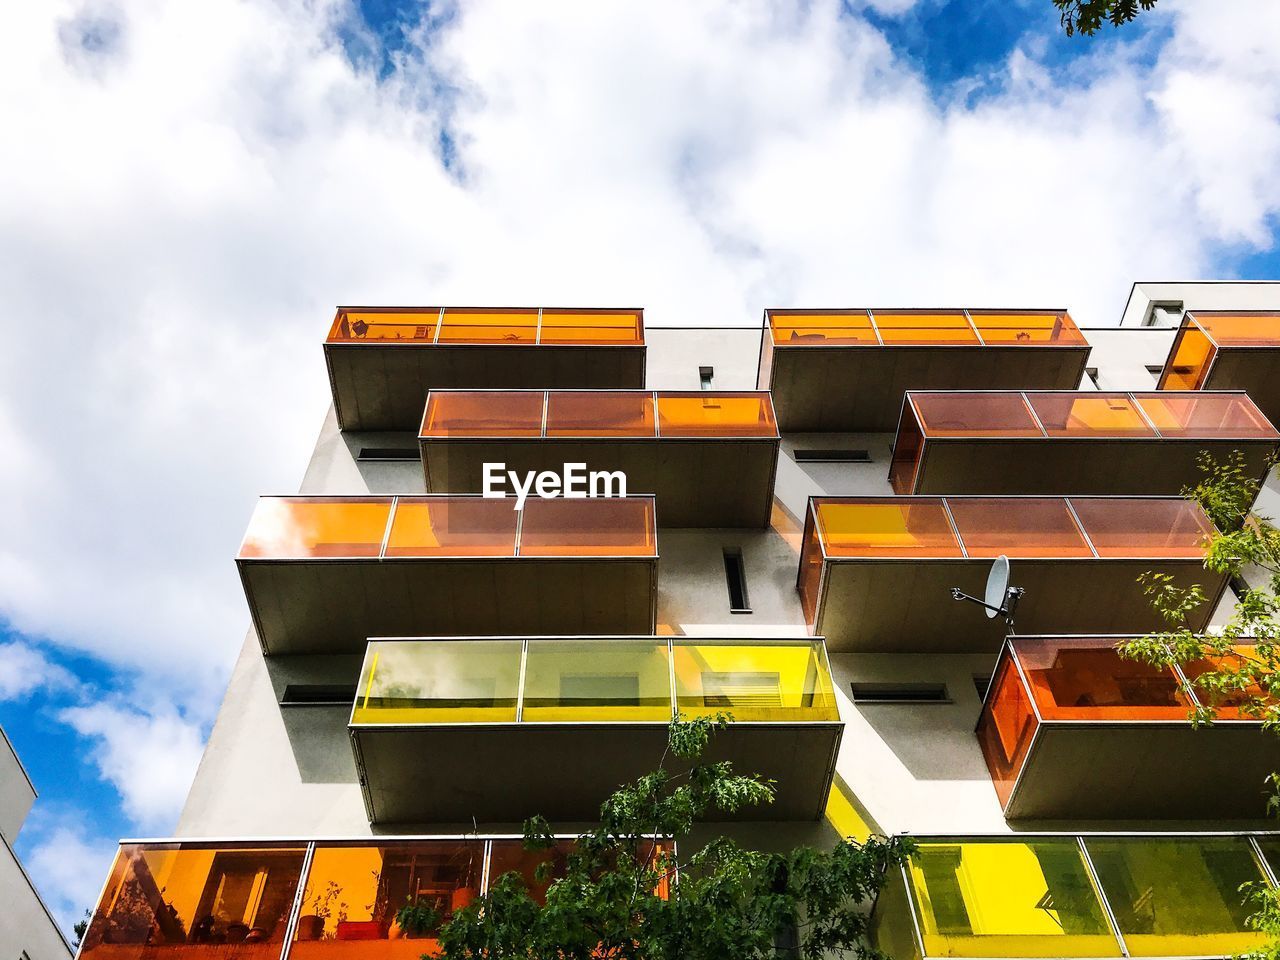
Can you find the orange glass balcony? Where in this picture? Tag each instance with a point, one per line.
(876, 572)
(182, 900)
(323, 574)
(499, 715)
(1075, 442)
(1072, 729)
(709, 457)
(1227, 350)
(383, 360)
(847, 370)
(1073, 896)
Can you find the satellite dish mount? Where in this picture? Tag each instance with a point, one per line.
(1000, 600)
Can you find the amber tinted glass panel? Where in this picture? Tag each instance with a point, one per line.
(1087, 679)
(453, 527)
(1227, 705)
(289, 528)
(716, 415)
(489, 326)
(1029, 328)
(590, 681)
(1089, 415)
(907, 447)
(1189, 361)
(600, 413)
(809, 581)
(875, 527)
(483, 413)
(754, 682)
(438, 681)
(1178, 897)
(1006, 728)
(1125, 527)
(1206, 416)
(592, 327)
(1241, 329)
(509, 856)
(228, 901)
(989, 898)
(912, 326)
(1017, 527)
(602, 527)
(975, 415)
(852, 327)
(352, 894)
(384, 326)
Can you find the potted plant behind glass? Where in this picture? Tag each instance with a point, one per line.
(311, 925)
(417, 918)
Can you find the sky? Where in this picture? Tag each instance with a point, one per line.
(187, 190)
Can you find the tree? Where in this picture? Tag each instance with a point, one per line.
(1088, 16)
(623, 894)
(1239, 667)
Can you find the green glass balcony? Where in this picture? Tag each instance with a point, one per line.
(500, 718)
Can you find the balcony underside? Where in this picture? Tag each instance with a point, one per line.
(1255, 370)
(698, 482)
(334, 606)
(379, 387)
(1116, 466)
(905, 606)
(1143, 771)
(860, 389)
(507, 772)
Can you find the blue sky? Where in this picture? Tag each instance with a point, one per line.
(255, 163)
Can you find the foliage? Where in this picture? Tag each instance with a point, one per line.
(1088, 16)
(623, 894)
(80, 926)
(418, 916)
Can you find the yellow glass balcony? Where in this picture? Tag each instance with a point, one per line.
(847, 370)
(383, 360)
(322, 574)
(1057, 699)
(1097, 895)
(1072, 442)
(876, 572)
(519, 706)
(1227, 350)
(708, 457)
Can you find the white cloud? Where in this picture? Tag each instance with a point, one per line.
(68, 867)
(189, 188)
(24, 670)
(149, 757)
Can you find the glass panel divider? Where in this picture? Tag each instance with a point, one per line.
(973, 326)
(439, 323)
(546, 399)
(524, 661)
(875, 327)
(1026, 402)
(1186, 683)
(537, 338)
(386, 531)
(671, 676)
(299, 896)
(1102, 897)
(373, 668)
(1026, 686)
(519, 531)
(1262, 861)
(955, 531)
(486, 857)
(1075, 518)
(1142, 412)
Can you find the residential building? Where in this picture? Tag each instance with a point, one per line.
(27, 928)
(428, 666)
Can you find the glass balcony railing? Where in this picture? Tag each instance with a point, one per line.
(1204, 334)
(597, 414)
(846, 370)
(459, 325)
(1055, 699)
(322, 574)
(856, 540)
(1104, 895)
(627, 680)
(180, 899)
(1046, 429)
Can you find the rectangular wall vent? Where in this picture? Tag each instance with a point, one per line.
(388, 453)
(735, 575)
(318, 695)
(814, 455)
(899, 693)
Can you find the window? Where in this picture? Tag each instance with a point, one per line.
(705, 376)
(735, 575)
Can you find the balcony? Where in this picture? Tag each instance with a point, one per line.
(500, 719)
(876, 572)
(1097, 895)
(1072, 729)
(1227, 350)
(846, 370)
(182, 899)
(1087, 443)
(383, 360)
(709, 457)
(323, 574)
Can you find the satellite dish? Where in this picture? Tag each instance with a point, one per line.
(997, 587)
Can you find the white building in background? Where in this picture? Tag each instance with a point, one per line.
(27, 929)
(427, 667)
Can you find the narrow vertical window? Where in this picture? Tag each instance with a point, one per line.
(705, 375)
(735, 576)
